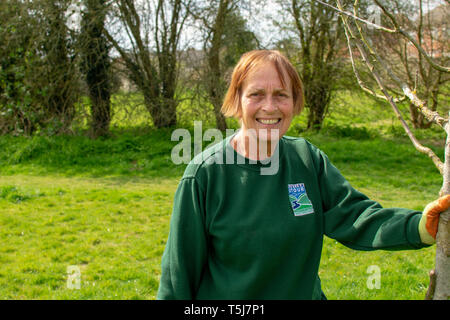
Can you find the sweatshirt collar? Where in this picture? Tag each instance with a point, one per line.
(255, 165)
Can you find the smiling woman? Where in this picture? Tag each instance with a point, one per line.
(238, 233)
(264, 94)
(265, 106)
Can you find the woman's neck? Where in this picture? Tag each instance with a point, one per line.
(252, 147)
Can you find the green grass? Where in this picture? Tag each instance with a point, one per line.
(104, 206)
(393, 173)
(113, 229)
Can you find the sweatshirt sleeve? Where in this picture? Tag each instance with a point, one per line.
(184, 256)
(357, 222)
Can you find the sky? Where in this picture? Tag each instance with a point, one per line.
(260, 20)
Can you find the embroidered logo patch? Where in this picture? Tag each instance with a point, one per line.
(299, 199)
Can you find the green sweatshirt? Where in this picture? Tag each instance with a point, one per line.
(238, 234)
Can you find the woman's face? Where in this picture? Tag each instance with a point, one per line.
(266, 104)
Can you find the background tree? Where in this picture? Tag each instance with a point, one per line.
(385, 76)
(18, 110)
(146, 34)
(96, 64)
(58, 69)
(225, 38)
(429, 28)
(319, 58)
(39, 78)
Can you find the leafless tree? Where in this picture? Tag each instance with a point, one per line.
(95, 64)
(389, 83)
(225, 38)
(428, 28)
(320, 38)
(147, 35)
(39, 65)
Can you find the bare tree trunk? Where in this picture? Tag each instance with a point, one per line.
(95, 65)
(317, 101)
(439, 287)
(162, 111)
(101, 115)
(215, 83)
(60, 70)
(156, 78)
(442, 264)
(417, 118)
(320, 37)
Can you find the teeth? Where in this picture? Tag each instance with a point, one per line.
(268, 121)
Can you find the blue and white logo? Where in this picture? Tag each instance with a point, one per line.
(300, 202)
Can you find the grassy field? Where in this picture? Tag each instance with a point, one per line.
(104, 207)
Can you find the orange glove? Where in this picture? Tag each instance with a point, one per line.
(428, 224)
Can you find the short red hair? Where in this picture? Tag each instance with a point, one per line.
(251, 60)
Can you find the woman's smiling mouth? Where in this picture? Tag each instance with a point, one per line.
(268, 121)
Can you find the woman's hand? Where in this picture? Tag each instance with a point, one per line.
(428, 224)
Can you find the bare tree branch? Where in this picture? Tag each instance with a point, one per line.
(361, 83)
(411, 94)
(396, 30)
(351, 15)
(432, 116)
(412, 40)
(365, 57)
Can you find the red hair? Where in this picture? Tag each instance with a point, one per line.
(250, 61)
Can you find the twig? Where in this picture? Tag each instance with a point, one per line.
(396, 30)
(432, 116)
(412, 40)
(364, 87)
(349, 14)
(421, 148)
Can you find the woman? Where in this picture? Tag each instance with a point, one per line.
(239, 234)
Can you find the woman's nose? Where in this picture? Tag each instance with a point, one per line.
(269, 104)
